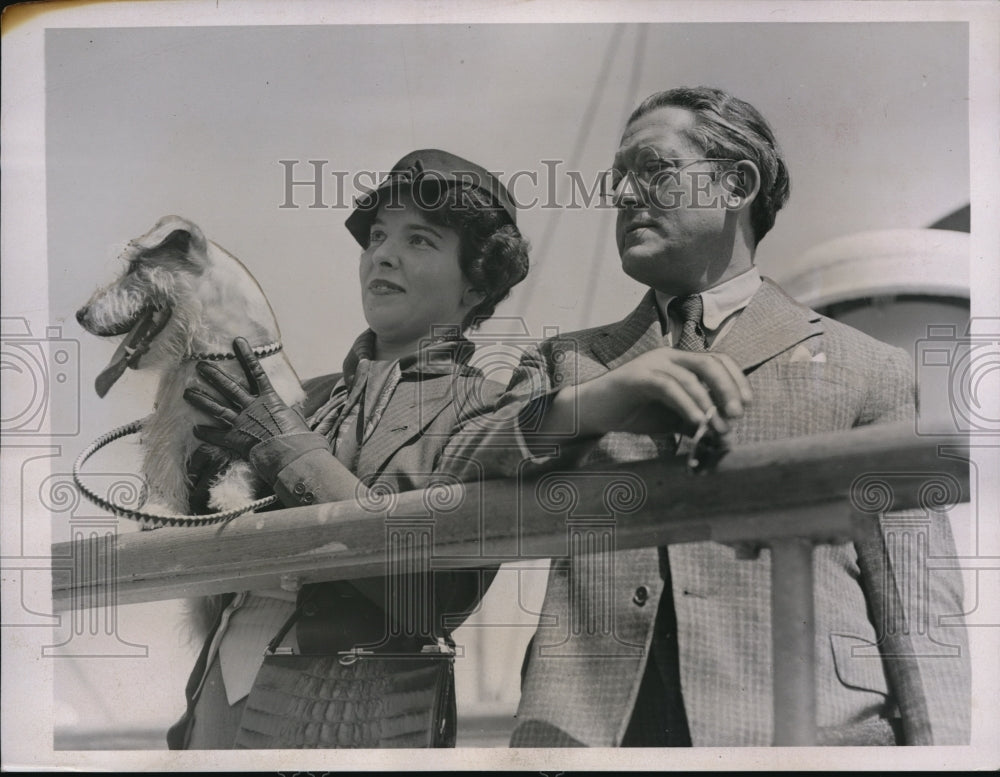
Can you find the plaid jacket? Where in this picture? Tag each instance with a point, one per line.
(880, 648)
(437, 396)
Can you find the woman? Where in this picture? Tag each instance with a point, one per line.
(440, 250)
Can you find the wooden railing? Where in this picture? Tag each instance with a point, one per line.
(787, 496)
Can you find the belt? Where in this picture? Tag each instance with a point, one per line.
(336, 618)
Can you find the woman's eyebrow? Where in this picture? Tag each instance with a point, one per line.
(424, 228)
(413, 226)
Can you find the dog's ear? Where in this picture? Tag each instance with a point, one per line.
(177, 234)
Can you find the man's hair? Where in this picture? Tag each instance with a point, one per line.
(492, 253)
(729, 128)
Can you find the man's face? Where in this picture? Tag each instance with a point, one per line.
(680, 240)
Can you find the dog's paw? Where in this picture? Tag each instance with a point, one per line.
(234, 488)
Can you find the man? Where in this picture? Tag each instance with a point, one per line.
(697, 181)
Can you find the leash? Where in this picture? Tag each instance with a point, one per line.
(160, 520)
(155, 520)
(259, 351)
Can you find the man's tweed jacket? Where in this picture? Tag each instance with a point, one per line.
(809, 374)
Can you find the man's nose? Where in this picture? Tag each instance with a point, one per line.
(627, 195)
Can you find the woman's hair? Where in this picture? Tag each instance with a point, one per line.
(492, 253)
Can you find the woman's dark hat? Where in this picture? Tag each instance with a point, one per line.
(428, 172)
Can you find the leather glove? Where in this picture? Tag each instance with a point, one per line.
(256, 424)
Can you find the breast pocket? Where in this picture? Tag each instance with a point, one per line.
(811, 398)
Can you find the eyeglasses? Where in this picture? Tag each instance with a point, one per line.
(655, 181)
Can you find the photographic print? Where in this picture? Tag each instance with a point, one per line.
(611, 376)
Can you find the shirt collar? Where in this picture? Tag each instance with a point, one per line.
(439, 356)
(720, 302)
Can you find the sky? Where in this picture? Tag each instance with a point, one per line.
(195, 119)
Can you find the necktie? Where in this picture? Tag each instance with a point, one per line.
(658, 717)
(689, 310)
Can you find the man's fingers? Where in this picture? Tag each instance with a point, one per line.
(206, 404)
(741, 380)
(680, 383)
(723, 379)
(256, 377)
(682, 392)
(229, 388)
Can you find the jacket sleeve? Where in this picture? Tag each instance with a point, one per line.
(926, 660)
(492, 438)
(317, 476)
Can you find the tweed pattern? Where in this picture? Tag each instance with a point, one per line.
(691, 309)
(428, 416)
(809, 375)
(431, 410)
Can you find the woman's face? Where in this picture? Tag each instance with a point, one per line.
(411, 280)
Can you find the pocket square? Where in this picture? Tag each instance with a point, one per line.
(802, 354)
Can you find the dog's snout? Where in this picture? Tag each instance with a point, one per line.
(81, 314)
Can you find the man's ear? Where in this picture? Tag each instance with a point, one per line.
(742, 184)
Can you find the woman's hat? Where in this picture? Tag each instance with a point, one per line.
(428, 173)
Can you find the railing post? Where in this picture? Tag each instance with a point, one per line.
(793, 649)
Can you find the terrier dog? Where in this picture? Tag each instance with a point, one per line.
(180, 299)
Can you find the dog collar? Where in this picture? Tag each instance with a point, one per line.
(259, 351)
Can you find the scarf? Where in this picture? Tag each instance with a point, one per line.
(346, 402)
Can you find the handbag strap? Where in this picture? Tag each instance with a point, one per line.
(272, 646)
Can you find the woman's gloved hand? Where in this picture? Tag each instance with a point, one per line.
(256, 424)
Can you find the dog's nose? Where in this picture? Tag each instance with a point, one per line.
(81, 314)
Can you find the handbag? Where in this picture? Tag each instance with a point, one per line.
(399, 694)
(350, 701)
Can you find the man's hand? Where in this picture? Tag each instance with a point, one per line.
(251, 415)
(663, 390)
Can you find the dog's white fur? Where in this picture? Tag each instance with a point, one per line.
(213, 299)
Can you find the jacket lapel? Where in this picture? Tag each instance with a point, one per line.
(772, 323)
(637, 333)
(413, 407)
